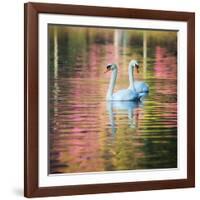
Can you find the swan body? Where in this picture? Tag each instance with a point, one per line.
(121, 95)
(124, 95)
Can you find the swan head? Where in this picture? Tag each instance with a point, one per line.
(110, 67)
(134, 64)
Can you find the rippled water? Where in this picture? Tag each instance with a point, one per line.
(88, 134)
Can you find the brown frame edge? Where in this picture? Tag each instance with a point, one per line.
(31, 188)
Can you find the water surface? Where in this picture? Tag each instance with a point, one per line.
(88, 134)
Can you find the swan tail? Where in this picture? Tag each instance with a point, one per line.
(142, 95)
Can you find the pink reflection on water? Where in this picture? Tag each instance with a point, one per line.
(165, 64)
(165, 68)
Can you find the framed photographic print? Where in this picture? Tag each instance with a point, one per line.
(109, 99)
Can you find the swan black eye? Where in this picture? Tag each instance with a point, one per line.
(109, 66)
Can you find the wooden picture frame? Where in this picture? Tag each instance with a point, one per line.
(31, 105)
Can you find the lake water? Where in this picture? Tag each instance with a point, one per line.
(88, 134)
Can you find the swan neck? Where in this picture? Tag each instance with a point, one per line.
(111, 84)
(131, 76)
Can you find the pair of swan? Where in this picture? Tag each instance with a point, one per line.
(136, 89)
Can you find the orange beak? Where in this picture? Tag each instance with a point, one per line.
(107, 70)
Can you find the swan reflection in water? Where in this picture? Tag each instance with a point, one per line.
(129, 110)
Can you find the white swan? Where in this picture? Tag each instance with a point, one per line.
(140, 87)
(121, 95)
